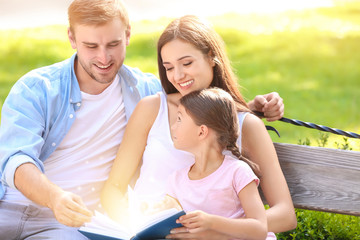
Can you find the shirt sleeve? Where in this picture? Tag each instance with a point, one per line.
(243, 176)
(22, 126)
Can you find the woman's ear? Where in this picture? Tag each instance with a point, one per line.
(211, 58)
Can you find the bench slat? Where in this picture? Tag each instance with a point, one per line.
(322, 179)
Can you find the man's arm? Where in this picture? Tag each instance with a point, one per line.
(68, 208)
(21, 140)
(270, 104)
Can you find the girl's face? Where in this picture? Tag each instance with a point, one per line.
(184, 131)
(187, 68)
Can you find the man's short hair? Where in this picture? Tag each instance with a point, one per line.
(96, 12)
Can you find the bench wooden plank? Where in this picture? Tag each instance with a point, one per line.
(321, 178)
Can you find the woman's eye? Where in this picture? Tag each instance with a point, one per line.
(187, 64)
(168, 69)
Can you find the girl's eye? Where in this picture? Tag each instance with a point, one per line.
(168, 69)
(187, 64)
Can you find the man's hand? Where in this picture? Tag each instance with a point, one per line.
(69, 209)
(270, 104)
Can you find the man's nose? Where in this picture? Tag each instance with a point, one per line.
(104, 56)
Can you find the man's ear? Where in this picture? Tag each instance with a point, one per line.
(203, 131)
(71, 38)
(128, 35)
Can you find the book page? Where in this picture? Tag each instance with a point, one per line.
(103, 224)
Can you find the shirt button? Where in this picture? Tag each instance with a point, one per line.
(71, 116)
(53, 144)
(78, 104)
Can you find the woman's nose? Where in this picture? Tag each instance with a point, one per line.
(179, 74)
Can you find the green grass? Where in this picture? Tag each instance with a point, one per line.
(311, 58)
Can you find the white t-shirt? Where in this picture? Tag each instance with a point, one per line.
(83, 160)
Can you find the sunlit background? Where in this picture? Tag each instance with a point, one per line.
(24, 13)
(307, 50)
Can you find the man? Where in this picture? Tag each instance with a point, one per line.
(62, 125)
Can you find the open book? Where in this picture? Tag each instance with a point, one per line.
(156, 226)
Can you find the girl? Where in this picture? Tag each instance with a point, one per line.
(218, 191)
(191, 56)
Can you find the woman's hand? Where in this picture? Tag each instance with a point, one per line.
(270, 104)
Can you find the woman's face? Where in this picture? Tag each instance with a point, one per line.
(187, 68)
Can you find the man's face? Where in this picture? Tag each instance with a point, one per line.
(100, 51)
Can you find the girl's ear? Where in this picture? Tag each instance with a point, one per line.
(203, 131)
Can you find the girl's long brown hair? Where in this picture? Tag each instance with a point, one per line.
(216, 109)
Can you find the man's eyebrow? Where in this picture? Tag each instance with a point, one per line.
(177, 59)
(91, 43)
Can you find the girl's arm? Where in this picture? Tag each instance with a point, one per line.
(258, 147)
(129, 156)
(254, 226)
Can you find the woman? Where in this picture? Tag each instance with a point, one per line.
(191, 56)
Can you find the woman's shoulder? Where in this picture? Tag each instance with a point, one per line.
(252, 123)
(148, 106)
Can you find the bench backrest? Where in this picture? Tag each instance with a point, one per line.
(322, 179)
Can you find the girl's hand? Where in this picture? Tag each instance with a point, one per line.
(196, 221)
(183, 233)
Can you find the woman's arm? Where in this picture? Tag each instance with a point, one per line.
(129, 156)
(258, 147)
(254, 226)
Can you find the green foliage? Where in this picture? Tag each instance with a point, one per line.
(321, 225)
(323, 140)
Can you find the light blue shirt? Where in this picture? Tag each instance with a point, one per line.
(41, 108)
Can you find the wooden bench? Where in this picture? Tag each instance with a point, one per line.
(322, 179)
